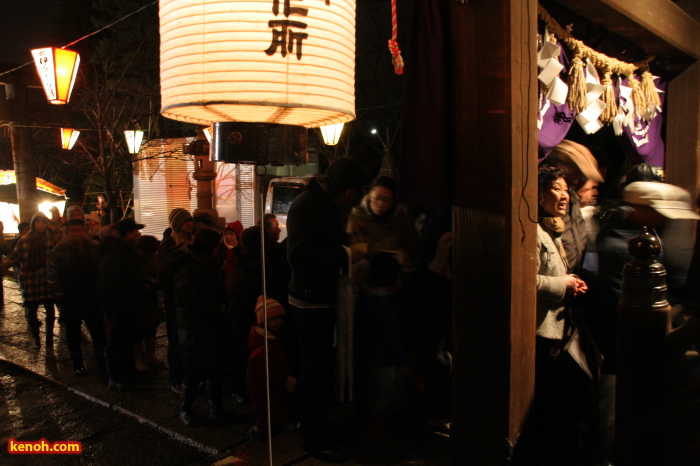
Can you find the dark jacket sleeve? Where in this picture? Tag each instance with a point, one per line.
(53, 272)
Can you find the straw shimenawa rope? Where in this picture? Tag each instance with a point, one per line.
(644, 95)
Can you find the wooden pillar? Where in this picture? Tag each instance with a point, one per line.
(204, 174)
(495, 210)
(683, 121)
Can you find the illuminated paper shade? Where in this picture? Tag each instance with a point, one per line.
(69, 137)
(133, 140)
(57, 69)
(242, 61)
(331, 133)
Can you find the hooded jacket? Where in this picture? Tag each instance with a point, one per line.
(394, 231)
(31, 255)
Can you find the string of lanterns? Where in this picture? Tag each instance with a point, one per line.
(317, 103)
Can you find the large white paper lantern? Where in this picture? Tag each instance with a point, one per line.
(264, 61)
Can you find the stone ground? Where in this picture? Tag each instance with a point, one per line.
(154, 405)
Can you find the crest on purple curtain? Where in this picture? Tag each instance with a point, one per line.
(553, 122)
(642, 141)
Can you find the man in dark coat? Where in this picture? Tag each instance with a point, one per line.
(72, 280)
(122, 287)
(181, 225)
(198, 280)
(316, 256)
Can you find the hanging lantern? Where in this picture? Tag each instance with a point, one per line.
(57, 70)
(133, 140)
(68, 137)
(331, 133)
(258, 61)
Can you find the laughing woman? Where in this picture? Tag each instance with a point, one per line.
(564, 386)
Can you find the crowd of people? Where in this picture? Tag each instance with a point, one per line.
(240, 305)
(582, 247)
(243, 310)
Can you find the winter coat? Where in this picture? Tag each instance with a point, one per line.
(394, 231)
(31, 255)
(315, 240)
(283, 408)
(551, 286)
(574, 236)
(121, 283)
(174, 242)
(245, 283)
(72, 273)
(199, 305)
(378, 329)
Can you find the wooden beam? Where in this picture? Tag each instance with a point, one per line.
(659, 26)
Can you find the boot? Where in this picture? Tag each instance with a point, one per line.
(33, 325)
(216, 405)
(78, 365)
(189, 393)
(151, 359)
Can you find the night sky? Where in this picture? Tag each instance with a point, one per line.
(24, 25)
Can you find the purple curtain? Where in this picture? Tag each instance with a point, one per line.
(645, 143)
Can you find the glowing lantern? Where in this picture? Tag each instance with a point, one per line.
(331, 133)
(207, 134)
(133, 140)
(57, 70)
(68, 137)
(259, 61)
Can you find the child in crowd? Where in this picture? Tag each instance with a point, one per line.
(283, 409)
(383, 356)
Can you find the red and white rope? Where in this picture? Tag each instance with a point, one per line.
(396, 58)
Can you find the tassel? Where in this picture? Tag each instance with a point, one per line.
(608, 97)
(651, 96)
(640, 105)
(577, 98)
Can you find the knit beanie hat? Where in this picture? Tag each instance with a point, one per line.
(345, 173)
(236, 226)
(74, 208)
(38, 216)
(178, 216)
(274, 308)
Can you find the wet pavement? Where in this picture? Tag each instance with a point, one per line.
(33, 408)
(154, 405)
